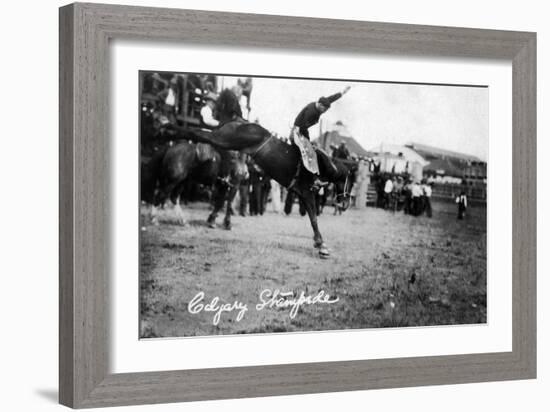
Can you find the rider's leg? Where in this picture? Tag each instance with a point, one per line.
(317, 182)
(295, 178)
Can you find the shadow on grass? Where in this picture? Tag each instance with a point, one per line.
(197, 223)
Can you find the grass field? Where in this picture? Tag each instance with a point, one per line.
(386, 270)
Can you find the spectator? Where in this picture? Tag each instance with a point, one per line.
(167, 102)
(396, 192)
(246, 90)
(207, 111)
(388, 188)
(260, 190)
(462, 203)
(407, 191)
(416, 194)
(426, 198)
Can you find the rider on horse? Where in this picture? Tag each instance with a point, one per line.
(308, 117)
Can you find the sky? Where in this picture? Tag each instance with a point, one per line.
(448, 117)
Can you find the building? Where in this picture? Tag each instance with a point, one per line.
(399, 159)
(337, 134)
(450, 166)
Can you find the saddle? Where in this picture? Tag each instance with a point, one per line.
(307, 151)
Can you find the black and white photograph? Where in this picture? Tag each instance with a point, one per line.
(275, 206)
(283, 205)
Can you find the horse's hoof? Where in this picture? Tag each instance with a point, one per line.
(211, 225)
(323, 250)
(227, 227)
(324, 253)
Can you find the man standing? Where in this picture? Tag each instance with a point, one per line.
(388, 188)
(260, 189)
(462, 203)
(396, 192)
(167, 99)
(246, 91)
(416, 193)
(207, 111)
(309, 116)
(427, 189)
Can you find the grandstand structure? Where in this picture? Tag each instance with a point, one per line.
(189, 97)
(449, 165)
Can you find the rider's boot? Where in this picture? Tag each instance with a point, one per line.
(318, 184)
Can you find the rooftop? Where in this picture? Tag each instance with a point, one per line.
(436, 152)
(396, 150)
(337, 134)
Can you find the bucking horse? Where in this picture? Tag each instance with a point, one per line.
(280, 161)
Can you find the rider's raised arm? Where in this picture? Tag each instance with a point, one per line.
(334, 97)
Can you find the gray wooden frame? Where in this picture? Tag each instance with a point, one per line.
(85, 31)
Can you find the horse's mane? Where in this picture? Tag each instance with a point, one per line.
(228, 105)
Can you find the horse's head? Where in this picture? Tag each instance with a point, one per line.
(228, 106)
(343, 184)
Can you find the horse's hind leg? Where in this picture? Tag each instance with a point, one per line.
(180, 213)
(175, 197)
(160, 199)
(219, 200)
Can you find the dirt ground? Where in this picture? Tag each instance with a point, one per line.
(385, 270)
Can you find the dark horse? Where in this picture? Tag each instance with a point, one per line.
(341, 198)
(280, 161)
(166, 175)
